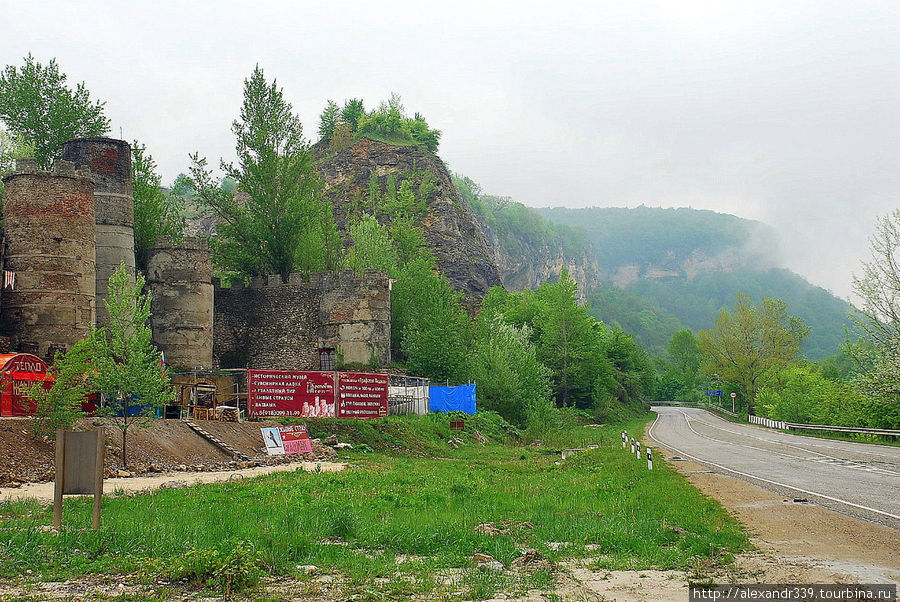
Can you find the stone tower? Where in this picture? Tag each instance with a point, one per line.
(110, 163)
(180, 281)
(49, 222)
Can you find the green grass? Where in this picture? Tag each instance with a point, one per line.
(356, 523)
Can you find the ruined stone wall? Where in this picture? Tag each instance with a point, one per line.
(355, 316)
(110, 164)
(180, 280)
(49, 230)
(276, 325)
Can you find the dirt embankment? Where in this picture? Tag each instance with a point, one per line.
(158, 446)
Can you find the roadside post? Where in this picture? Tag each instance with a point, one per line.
(733, 395)
(79, 469)
(624, 439)
(638, 450)
(649, 459)
(632, 445)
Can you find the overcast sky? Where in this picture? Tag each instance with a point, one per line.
(786, 112)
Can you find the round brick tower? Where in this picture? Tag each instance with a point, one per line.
(49, 222)
(110, 164)
(180, 280)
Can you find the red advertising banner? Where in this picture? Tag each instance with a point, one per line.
(287, 393)
(362, 395)
(295, 439)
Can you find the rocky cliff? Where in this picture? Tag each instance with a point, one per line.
(525, 265)
(456, 238)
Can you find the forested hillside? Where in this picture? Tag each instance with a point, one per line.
(651, 241)
(653, 271)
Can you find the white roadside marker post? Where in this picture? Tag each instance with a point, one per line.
(632, 445)
(638, 450)
(649, 459)
(624, 439)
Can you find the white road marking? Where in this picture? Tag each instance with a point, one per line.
(764, 480)
(776, 442)
(844, 463)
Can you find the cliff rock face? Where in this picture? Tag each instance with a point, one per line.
(524, 265)
(455, 237)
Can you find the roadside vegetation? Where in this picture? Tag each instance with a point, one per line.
(402, 521)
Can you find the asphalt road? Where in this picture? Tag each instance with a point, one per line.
(855, 478)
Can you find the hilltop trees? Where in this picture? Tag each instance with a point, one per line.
(282, 224)
(388, 123)
(37, 104)
(751, 343)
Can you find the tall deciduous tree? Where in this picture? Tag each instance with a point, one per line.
(36, 103)
(264, 230)
(567, 339)
(156, 213)
(878, 320)
(750, 343)
(127, 365)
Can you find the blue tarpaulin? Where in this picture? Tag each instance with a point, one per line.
(449, 399)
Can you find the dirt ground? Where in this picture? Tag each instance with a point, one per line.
(43, 492)
(159, 446)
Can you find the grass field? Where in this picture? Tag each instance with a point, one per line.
(397, 523)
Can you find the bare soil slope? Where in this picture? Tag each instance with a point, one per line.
(159, 446)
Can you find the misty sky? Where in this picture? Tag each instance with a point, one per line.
(784, 112)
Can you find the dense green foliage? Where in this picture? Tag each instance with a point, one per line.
(650, 325)
(283, 224)
(37, 104)
(750, 344)
(802, 393)
(388, 123)
(516, 225)
(590, 365)
(156, 213)
(696, 302)
(391, 526)
(59, 407)
(125, 365)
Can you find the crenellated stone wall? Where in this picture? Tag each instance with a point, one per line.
(276, 325)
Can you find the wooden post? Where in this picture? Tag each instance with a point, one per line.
(98, 477)
(58, 482)
(75, 457)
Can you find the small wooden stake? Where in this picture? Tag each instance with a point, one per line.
(98, 477)
(60, 477)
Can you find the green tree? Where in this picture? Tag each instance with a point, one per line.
(128, 370)
(751, 343)
(59, 407)
(329, 119)
(371, 248)
(429, 327)
(352, 112)
(262, 231)
(511, 379)
(156, 213)
(36, 103)
(682, 365)
(567, 340)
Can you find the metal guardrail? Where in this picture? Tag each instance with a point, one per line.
(843, 429)
(707, 406)
(791, 426)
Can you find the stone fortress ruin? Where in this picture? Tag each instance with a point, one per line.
(67, 229)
